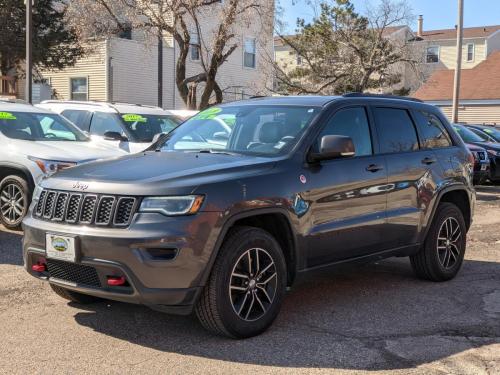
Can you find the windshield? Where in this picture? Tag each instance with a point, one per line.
(467, 135)
(493, 133)
(247, 129)
(32, 126)
(144, 127)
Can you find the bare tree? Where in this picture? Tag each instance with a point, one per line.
(179, 20)
(341, 50)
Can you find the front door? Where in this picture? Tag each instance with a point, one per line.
(347, 196)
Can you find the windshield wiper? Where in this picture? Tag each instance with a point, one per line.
(214, 151)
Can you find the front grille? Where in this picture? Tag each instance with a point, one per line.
(72, 272)
(87, 209)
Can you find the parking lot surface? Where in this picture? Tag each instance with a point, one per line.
(371, 318)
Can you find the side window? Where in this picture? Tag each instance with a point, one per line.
(395, 130)
(433, 133)
(77, 117)
(351, 122)
(105, 122)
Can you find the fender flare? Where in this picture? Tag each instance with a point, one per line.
(229, 222)
(21, 168)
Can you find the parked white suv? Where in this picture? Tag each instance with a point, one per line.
(130, 127)
(36, 143)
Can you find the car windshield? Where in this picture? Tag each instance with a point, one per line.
(32, 126)
(246, 129)
(144, 127)
(492, 132)
(467, 135)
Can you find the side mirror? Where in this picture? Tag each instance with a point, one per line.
(333, 147)
(221, 136)
(156, 137)
(115, 136)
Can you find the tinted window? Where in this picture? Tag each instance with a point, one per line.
(432, 130)
(105, 122)
(395, 130)
(467, 135)
(492, 132)
(351, 122)
(485, 137)
(79, 118)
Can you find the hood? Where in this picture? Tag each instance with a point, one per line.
(488, 145)
(68, 151)
(157, 173)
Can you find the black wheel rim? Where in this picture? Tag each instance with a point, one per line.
(12, 204)
(449, 243)
(253, 284)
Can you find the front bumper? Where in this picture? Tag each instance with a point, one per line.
(164, 260)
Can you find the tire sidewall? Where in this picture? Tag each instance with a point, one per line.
(23, 185)
(236, 326)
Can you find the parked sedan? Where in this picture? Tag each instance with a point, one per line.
(493, 149)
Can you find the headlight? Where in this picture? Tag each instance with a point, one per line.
(49, 167)
(172, 206)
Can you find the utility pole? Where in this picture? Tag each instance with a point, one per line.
(160, 69)
(458, 66)
(29, 51)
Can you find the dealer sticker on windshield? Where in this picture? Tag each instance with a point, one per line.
(7, 116)
(209, 114)
(130, 117)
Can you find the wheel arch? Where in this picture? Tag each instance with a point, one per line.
(8, 169)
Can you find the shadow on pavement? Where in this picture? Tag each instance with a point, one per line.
(374, 317)
(11, 247)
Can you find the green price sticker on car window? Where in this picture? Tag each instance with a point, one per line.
(7, 116)
(130, 117)
(209, 114)
(489, 131)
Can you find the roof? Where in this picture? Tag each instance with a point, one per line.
(304, 100)
(7, 106)
(479, 83)
(469, 32)
(103, 106)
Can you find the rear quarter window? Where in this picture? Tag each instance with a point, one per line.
(80, 118)
(432, 130)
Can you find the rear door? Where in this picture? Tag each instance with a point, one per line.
(347, 196)
(413, 173)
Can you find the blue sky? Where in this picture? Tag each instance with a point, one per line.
(438, 14)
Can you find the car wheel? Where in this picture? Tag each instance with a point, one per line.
(14, 201)
(72, 296)
(246, 287)
(443, 252)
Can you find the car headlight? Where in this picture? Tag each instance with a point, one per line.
(172, 206)
(49, 167)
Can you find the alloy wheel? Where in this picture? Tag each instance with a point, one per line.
(253, 284)
(448, 243)
(12, 203)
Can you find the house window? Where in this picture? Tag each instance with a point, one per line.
(79, 88)
(195, 47)
(249, 55)
(470, 52)
(432, 54)
(299, 60)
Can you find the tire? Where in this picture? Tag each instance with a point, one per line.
(230, 308)
(440, 259)
(76, 297)
(15, 199)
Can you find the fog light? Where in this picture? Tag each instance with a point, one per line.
(39, 267)
(116, 280)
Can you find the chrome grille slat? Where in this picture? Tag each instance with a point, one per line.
(85, 209)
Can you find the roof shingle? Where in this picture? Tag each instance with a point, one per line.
(469, 32)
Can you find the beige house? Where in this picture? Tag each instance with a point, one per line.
(126, 69)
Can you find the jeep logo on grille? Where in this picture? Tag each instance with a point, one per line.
(80, 186)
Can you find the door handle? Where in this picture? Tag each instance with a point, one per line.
(374, 168)
(428, 160)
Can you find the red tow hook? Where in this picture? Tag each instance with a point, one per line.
(39, 267)
(116, 280)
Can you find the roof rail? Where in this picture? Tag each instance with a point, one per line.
(258, 96)
(93, 102)
(381, 96)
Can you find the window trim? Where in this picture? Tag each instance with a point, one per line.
(86, 78)
(438, 54)
(245, 39)
(473, 52)
(421, 136)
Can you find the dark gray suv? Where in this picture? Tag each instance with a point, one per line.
(220, 223)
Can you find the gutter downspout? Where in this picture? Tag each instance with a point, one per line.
(108, 72)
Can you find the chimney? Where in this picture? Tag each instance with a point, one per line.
(420, 30)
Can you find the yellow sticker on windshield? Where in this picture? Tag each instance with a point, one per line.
(209, 114)
(130, 117)
(488, 131)
(7, 116)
